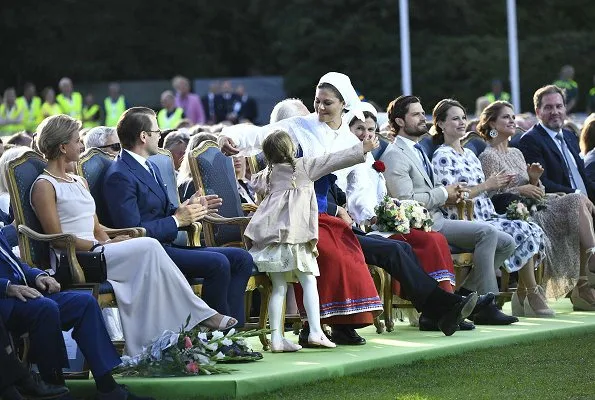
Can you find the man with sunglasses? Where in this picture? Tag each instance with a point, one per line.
(134, 195)
(104, 138)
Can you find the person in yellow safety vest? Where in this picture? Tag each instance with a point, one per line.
(70, 102)
(31, 105)
(497, 93)
(11, 115)
(170, 116)
(49, 106)
(92, 113)
(569, 86)
(114, 105)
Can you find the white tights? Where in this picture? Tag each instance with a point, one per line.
(311, 303)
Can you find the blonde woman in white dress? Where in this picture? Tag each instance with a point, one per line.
(151, 292)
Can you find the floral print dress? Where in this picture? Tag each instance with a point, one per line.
(451, 167)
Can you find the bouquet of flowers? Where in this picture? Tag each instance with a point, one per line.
(190, 352)
(524, 208)
(401, 216)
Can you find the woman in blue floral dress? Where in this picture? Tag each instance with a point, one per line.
(454, 164)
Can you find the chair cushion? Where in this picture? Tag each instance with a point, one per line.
(105, 288)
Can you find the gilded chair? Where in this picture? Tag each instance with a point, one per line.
(213, 173)
(35, 246)
(188, 235)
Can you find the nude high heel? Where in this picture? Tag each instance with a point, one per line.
(518, 310)
(537, 293)
(578, 303)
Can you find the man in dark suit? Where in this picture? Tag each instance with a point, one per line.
(556, 149)
(31, 301)
(245, 107)
(214, 105)
(134, 195)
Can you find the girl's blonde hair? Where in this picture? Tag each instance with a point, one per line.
(278, 148)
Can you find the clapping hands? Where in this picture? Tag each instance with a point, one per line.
(535, 170)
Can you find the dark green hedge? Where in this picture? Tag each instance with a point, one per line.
(458, 46)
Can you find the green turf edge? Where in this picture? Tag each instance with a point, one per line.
(240, 386)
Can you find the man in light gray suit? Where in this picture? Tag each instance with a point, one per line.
(409, 176)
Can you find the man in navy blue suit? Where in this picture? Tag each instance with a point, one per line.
(134, 195)
(556, 149)
(31, 301)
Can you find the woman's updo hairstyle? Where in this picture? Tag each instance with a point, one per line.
(439, 114)
(490, 114)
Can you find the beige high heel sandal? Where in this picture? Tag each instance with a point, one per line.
(546, 312)
(578, 303)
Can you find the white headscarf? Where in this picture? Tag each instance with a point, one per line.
(363, 106)
(342, 83)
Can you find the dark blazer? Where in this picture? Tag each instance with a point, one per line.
(132, 197)
(249, 109)
(219, 112)
(9, 274)
(538, 147)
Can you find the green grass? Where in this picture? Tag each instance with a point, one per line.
(555, 369)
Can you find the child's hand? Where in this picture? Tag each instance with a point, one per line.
(370, 144)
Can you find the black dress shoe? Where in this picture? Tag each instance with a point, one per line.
(466, 326)
(449, 322)
(34, 388)
(427, 324)
(490, 315)
(347, 337)
(483, 301)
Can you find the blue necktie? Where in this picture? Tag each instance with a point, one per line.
(573, 174)
(151, 170)
(427, 166)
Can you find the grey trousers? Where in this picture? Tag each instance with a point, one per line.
(490, 248)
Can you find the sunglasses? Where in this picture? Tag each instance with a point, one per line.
(114, 147)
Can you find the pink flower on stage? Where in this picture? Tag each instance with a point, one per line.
(193, 367)
(187, 342)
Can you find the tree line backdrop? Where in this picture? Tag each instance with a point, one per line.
(457, 46)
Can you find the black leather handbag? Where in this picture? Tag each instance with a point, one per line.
(502, 200)
(93, 264)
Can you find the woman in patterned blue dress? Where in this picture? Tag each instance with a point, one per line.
(454, 164)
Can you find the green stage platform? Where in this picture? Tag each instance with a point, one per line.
(402, 346)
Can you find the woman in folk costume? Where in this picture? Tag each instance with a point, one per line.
(284, 230)
(431, 248)
(348, 298)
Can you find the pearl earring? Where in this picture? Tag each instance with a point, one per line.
(493, 133)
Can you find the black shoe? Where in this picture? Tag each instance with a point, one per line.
(347, 337)
(121, 392)
(427, 324)
(466, 326)
(303, 338)
(483, 301)
(33, 387)
(490, 315)
(449, 322)
(238, 354)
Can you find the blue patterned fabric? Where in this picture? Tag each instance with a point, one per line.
(218, 177)
(93, 171)
(25, 174)
(451, 167)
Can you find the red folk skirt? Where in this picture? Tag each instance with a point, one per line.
(433, 253)
(346, 289)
